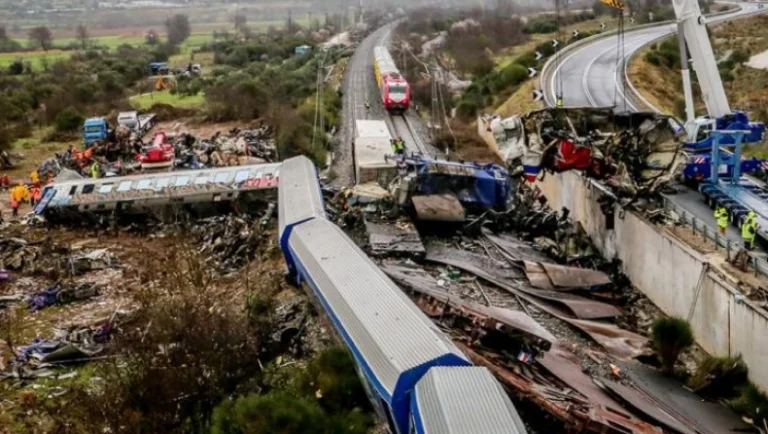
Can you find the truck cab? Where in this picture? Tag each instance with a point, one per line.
(95, 129)
(699, 139)
(129, 120)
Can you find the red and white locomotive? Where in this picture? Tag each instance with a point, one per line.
(395, 91)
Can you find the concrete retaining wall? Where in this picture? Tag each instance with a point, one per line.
(670, 274)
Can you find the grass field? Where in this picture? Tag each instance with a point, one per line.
(112, 42)
(35, 57)
(145, 101)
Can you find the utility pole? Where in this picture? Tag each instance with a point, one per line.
(435, 109)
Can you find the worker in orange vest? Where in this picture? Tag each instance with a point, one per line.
(34, 195)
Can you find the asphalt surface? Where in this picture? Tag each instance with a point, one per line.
(592, 76)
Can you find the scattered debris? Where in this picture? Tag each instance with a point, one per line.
(439, 208)
(398, 238)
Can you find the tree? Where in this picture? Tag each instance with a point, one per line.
(69, 120)
(81, 34)
(152, 38)
(41, 37)
(178, 29)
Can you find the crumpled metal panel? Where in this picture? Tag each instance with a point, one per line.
(442, 303)
(501, 274)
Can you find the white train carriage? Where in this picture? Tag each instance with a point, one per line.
(392, 341)
(149, 190)
(463, 401)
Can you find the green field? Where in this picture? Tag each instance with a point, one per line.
(112, 42)
(35, 57)
(145, 101)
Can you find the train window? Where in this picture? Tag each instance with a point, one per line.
(72, 190)
(200, 180)
(162, 183)
(106, 188)
(242, 175)
(221, 177)
(143, 184)
(124, 186)
(87, 189)
(182, 180)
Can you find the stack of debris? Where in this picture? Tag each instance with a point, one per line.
(75, 345)
(239, 147)
(229, 242)
(636, 154)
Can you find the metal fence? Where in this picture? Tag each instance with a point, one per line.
(757, 264)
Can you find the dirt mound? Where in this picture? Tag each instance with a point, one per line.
(168, 112)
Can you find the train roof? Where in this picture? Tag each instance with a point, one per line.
(299, 195)
(371, 128)
(384, 61)
(159, 185)
(390, 337)
(463, 400)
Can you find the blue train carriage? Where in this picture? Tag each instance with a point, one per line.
(392, 342)
(466, 400)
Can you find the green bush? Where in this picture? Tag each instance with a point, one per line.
(740, 56)
(719, 377)
(541, 25)
(671, 336)
(69, 121)
(653, 58)
(752, 403)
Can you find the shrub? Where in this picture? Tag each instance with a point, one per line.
(739, 56)
(752, 403)
(69, 120)
(671, 336)
(719, 377)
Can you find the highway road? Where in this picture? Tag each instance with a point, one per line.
(592, 75)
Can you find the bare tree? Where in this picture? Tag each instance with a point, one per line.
(81, 34)
(41, 37)
(178, 29)
(152, 38)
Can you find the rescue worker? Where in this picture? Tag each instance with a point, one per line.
(749, 230)
(721, 215)
(33, 193)
(560, 103)
(34, 177)
(367, 103)
(38, 195)
(18, 195)
(95, 170)
(398, 146)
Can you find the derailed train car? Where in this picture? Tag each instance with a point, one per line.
(394, 345)
(192, 190)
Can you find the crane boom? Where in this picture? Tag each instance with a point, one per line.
(694, 29)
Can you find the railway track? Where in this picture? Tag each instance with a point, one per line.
(400, 126)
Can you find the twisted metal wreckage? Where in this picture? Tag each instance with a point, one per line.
(634, 154)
